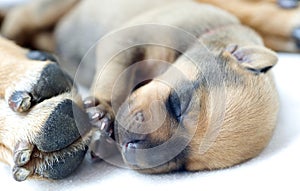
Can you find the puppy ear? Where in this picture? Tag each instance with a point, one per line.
(255, 59)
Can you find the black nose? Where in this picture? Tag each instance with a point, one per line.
(130, 151)
(132, 137)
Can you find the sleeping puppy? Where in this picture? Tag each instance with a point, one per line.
(179, 86)
(212, 106)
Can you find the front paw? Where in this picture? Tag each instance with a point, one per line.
(50, 140)
(44, 130)
(103, 145)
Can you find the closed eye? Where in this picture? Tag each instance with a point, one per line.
(173, 106)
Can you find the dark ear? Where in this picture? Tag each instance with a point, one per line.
(256, 59)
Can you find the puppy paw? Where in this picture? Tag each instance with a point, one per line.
(28, 88)
(100, 115)
(103, 145)
(44, 130)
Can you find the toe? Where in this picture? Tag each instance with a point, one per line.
(20, 174)
(51, 81)
(20, 101)
(106, 126)
(22, 153)
(95, 113)
(90, 102)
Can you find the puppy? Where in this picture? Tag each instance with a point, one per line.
(201, 95)
(213, 106)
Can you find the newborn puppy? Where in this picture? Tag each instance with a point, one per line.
(187, 87)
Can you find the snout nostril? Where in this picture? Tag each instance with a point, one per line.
(133, 144)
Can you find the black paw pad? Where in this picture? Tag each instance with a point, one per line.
(288, 4)
(52, 82)
(66, 124)
(64, 166)
(40, 56)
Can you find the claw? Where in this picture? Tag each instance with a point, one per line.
(296, 36)
(105, 126)
(22, 153)
(20, 101)
(90, 102)
(95, 113)
(20, 174)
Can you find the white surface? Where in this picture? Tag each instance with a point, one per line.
(277, 168)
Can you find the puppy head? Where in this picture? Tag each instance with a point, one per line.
(148, 129)
(192, 124)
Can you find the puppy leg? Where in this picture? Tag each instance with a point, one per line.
(99, 107)
(279, 43)
(267, 18)
(37, 15)
(43, 130)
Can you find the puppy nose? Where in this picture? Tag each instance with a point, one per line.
(131, 149)
(134, 141)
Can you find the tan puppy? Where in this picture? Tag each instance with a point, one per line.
(214, 107)
(203, 87)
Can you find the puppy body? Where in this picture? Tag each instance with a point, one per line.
(216, 104)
